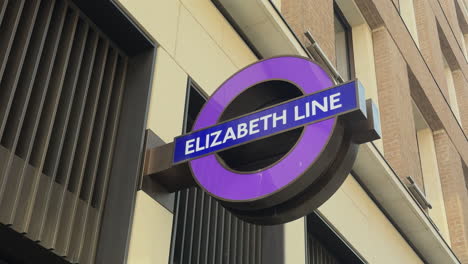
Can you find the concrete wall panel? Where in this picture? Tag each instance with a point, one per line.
(361, 222)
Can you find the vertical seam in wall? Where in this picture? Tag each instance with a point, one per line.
(211, 37)
(173, 55)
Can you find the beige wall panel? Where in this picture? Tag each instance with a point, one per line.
(361, 222)
(294, 242)
(350, 220)
(465, 42)
(432, 184)
(161, 18)
(461, 87)
(207, 15)
(199, 55)
(235, 47)
(158, 17)
(452, 95)
(364, 60)
(167, 96)
(407, 14)
(209, 50)
(219, 29)
(151, 232)
(364, 65)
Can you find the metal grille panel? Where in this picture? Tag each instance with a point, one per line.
(319, 254)
(61, 90)
(205, 232)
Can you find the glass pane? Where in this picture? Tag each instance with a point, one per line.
(341, 50)
(196, 102)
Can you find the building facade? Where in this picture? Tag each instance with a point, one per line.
(88, 87)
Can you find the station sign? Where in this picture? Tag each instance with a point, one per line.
(273, 142)
(297, 112)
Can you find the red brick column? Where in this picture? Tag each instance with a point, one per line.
(396, 113)
(315, 16)
(455, 193)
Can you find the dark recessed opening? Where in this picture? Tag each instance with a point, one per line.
(265, 152)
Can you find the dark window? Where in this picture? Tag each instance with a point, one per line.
(343, 46)
(319, 253)
(203, 231)
(15, 248)
(193, 106)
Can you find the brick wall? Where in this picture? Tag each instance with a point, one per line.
(455, 193)
(429, 43)
(448, 7)
(398, 130)
(438, 28)
(314, 16)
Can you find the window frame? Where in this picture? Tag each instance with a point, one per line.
(338, 14)
(191, 84)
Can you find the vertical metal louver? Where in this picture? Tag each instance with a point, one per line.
(61, 90)
(319, 254)
(205, 232)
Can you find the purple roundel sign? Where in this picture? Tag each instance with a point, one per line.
(272, 143)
